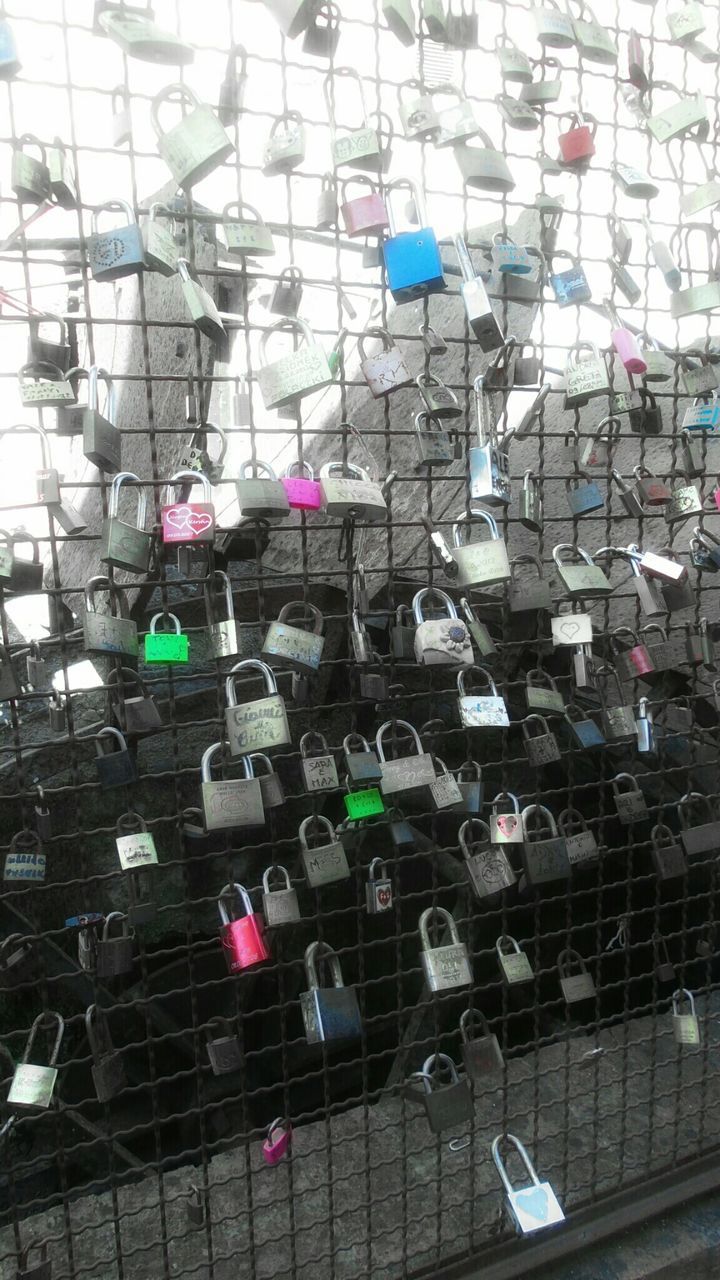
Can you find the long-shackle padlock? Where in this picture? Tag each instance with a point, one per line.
(487, 866)
(257, 725)
(123, 545)
(480, 564)
(108, 1070)
(223, 631)
(195, 146)
(185, 523)
(443, 641)
(200, 304)
(198, 456)
(618, 719)
(412, 258)
(233, 803)
(625, 342)
(107, 632)
(102, 442)
(360, 147)
(329, 1013)
(535, 1206)
(448, 966)
(33, 1085)
(161, 247)
(478, 308)
(489, 465)
(47, 485)
(242, 936)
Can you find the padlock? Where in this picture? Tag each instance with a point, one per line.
(580, 842)
(137, 713)
(286, 145)
(57, 711)
(516, 113)
(584, 730)
(107, 632)
(487, 866)
(260, 495)
(591, 37)
(482, 1055)
(534, 1206)
(447, 1105)
(114, 954)
(703, 415)
(247, 237)
(554, 28)
(528, 594)
(662, 566)
(412, 258)
(108, 1070)
(704, 550)
(514, 964)
(328, 213)
(599, 449)
(329, 1013)
(488, 464)
(544, 90)
(624, 342)
(292, 16)
(418, 115)
(33, 1085)
(44, 350)
(271, 788)
(439, 400)
(279, 1135)
(25, 859)
(583, 495)
(544, 860)
(10, 66)
(352, 495)
(200, 304)
(298, 374)
(542, 693)
(434, 14)
(257, 725)
(645, 729)
(463, 28)
(531, 506)
(577, 144)
(506, 828)
(527, 370)
(574, 986)
(363, 766)
(41, 1268)
(435, 445)
(37, 667)
(135, 846)
(323, 34)
(684, 502)
(515, 66)
(242, 937)
(102, 442)
(445, 641)
(662, 651)
(30, 178)
(618, 720)
(361, 147)
(693, 452)
(166, 646)
(364, 215)
(478, 309)
(123, 545)
(186, 522)
(385, 372)
(697, 299)
(317, 764)
(660, 366)
(541, 748)
(663, 259)
(223, 632)
(698, 379)
(628, 496)
(479, 633)
(224, 1053)
(703, 838)
(632, 658)
(121, 116)
(140, 37)
(115, 254)
(287, 294)
(303, 491)
(583, 581)
(571, 287)
(624, 281)
(688, 112)
(230, 804)
(325, 863)
(480, 710)
(447, 966)
(480, 564)
(585, 378)
(668, 857)
(161, 248)
(457, 122)
(195, 146)
(198, 456)
(408, 772)
(49, 389)
(378, 888)
(686, 1028)
(629, 800)
(444, 791)
(651, 491)
(116, 767)
(484, 168)
(280, 906)
(43, 817)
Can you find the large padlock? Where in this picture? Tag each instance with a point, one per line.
(161, 248)
(482, 1054)
(480, 564)
(30, 178)
(232, 803)
(116, 767)
(135, 713)
(447, 1104)
(630, 803)
(223, 631)
(166, 646)
(303, 491)
(540, 748)
(534, 1206)
(418, 114)
(124, 545)
(444, 966)
(685, 23)
(554, 28)
(195, 146)
(407, 772)
(514, 964)
(528, 594)
(33, 1085)
(292, 646)
(574, 986)
(242, 936)
(257, 725)
(107, 1067)
(443, 641)
(386, 371)
(108, 632)
(412, 258)
(117, 253)
(200, 304)
(488, 465)
(280, 906)
(330, 1014)
(478, 308)
(580, 842)
(506, 828)
(246, 237)
(351, 495)
(484, 168)
(480, 710)
(544, 860)
(703, 838)
(585, 377)
(185, 523)
(285, 146)
(686, 1028)
(297, 374)
(515, 66)
(223, 1046)
(585, 580)
(25, 859)
(378, 888)
(364, 215)
(102, 442)
(487, 866)
(43, 386)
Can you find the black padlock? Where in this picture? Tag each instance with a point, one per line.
(25, 575)
(646, 419)
(362, 763)
(286, 296)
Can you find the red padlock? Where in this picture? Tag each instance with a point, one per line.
(184, 522)
(243, 937)
(303, 492)
(577, 146)
(633, 661)
(363, 215)
(277, 1143)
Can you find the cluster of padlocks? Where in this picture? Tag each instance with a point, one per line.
(530, 847)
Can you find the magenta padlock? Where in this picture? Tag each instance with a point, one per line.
(303, 492)
(577, 146)
(625, 342)
(363, 215)
(242, 937)
(716, 496)
(277, 1143)
(184, 522)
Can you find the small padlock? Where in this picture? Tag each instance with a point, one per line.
(161, 248)
(200, 304)
(678, 120)
(528, 594)
(198, 456)
(280, 906)
(107, 632)
(580, 842)
(112, 255)
(481, 710)
(585, 378)
(412, 258)
(298, 374)
(363, 766)
(378, 888)
(166, 646)
(482, 1054)
(385, 372)
(33, 1085)
(619, 719)
(287, 645)
(435, 445)
(271, 788)
(630, 802)
(506, 828)
(108, 1071)
(444, 791)
(585, 732)
(223, 632)
(632, 658)
(30, 178)
(478, 308)
(242, 937)
(329, 1013)
(447, 1105)
(484, 168)
(571, 287)
(351, 495)
(544, 860)
(479, 633)
(574, 986)
(418, 115)
(531, 505)
(186, 523)
(364, 215)
(135, 710)
(102, 442)
(285, 146)
(25, 859)
(487, 866)
(541, 748)
(44, 386)
(668, 857)
(583, 495)
(303, 491)
(645, 729)
(542, 693)
(325, 863)
(705, 837)
(686, 1028)
(279, 1135)
(116, 767)
(247, 237)
(317, 764)
(124, 545)
(480, 564)
(514, 964)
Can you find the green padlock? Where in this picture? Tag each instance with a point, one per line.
(166, 646)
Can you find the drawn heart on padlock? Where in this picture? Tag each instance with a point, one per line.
(507, 823)
(384, 897)
(569, 629)
(533, 1201)
(186, 520)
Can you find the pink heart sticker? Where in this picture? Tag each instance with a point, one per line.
(507, 823)
(199, 521)
(178, 518)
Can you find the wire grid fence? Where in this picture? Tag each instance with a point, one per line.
(599, 1092)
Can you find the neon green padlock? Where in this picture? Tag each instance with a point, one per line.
(166, 646)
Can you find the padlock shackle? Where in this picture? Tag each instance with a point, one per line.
(626, 777)
(501, 795)
(549, 821)
(256, 466)
(570, 957)
(292, 323)
(231, 891)
(303, 466)
(99, 582)
(111, 206)
(434, 1065)
(39, 431)
(354, 738)
(321, 951)
(467, 517)
(305, 608)
(276, 869)
(500, 1165)
(435, 592)
(423, 926)
(209, 755)
(346, 73)
(535, 717)
(577, 551)
(169, 617)
(114, 498)
(96, 374)
(307, 741)
(316, 819)
(110, 731)
(485, 680)
(687, 801)
(195, 477)
(679, 996)
(248, 664)
(171, 93)
(394, 724)
(48, 1016)
(377, 862)
(467, 837)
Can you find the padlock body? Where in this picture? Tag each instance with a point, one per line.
(302, 494)
(195, 146)
(114, 957)
(449, 1106)
(102, 442)
(256, 726)
(478, 711)
(166, 646)
(446, 967)
(407, 773)
(293, 376)
(337, 1013)
(326, 864)
(413, 265)
(232, 804)
(545, 860)
(117, 253)
(280, 907)
(482, 564)
(577, 986)
(489, 871)
(535, 1207)
(293, 648)
(116, 769)
(702, 839)
(445, 642)
(225, 1055)
(378, 896)
(489, 475)
(103, 633)
(244, 944)
(274, 1150)
(32, 1087)
(188, 522)
(124, 546)
(516, 967)
(365, 215)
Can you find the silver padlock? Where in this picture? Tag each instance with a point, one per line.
(545, 860)
(484, 168)
(630, 802)
(33, 1085)
(482, 1054)
(273, 795)
(580, 842)
(280, 906)
(478, 308)
(481, 710)
(161, 248)
(535, 1206)
(223, 632)
(514, 964)
(554, 28)
(487, 866)
(200, 304)
(488, 464)
(580, 581)
(387, 371)
(293, 376)
(408, 772)
(448, 966)
(528, 594)
(328, 1013)
(378, 888)
(260, 495)
(351, 495)
(360, 147)
(444, 791)
(106, 632)
(435, 446)
(317, 764)
(574, 986)
(542, 693)
(257, 725)
(233, 803)
(686, 1028)
(290, 646)
(444, 641)
(325, 863)
(108, 1071)
(541, 748)
(480, 564)
(196, 146)
(585, 377)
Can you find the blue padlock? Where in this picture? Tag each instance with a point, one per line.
(9, 62)
(703, 415)
(570, 287)
(412, 259)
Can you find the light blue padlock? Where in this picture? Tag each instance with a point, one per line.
(703, 415)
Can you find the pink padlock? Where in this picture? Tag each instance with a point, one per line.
(184, 522)
(716, 496)
(242, 937)
(278, 1141)
(625, 342)
(303, 492)
(577, 146)
(632, 661)
(363, 215)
